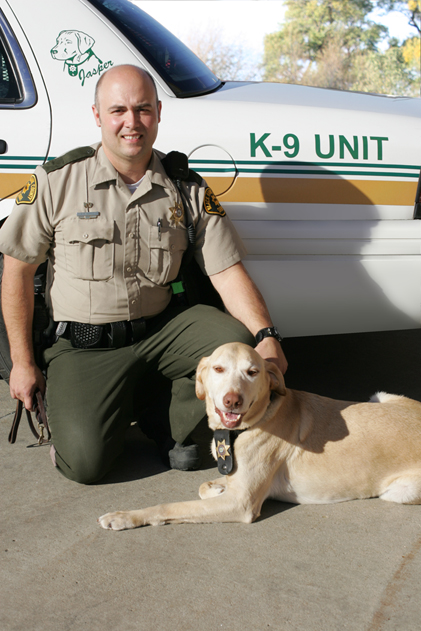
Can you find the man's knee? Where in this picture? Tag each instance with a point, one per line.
(242, 334)
(223, 327)
(82, 466)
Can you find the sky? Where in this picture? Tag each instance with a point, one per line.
(244, 22)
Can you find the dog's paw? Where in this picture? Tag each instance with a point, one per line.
(211, 489)
(120, 520)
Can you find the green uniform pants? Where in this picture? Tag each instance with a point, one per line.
(91, 393)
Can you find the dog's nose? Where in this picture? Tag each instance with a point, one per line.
(232, 400)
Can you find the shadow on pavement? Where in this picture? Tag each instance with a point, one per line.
(141, 459)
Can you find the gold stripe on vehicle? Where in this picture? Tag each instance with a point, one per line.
(283, 190)
(317, 191)
(11, 183)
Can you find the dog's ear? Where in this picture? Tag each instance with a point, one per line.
(200, 388)
(84, 41)
(277, 382)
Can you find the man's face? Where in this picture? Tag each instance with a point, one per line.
(128, 115)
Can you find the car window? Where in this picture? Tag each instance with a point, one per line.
(181, 70)
(9, 89)
(17, 89)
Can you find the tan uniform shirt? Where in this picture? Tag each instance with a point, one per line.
(114, 254)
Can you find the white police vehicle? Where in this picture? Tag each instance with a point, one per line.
(320, 184)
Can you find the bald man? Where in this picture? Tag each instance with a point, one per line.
(112, 225)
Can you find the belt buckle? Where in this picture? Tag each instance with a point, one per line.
(117, 334)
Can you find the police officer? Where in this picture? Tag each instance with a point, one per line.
(112, 225)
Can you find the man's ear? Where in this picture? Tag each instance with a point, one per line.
(200, 388)
(277, 382)
(96, 116)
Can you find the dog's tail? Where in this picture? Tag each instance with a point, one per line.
(384, 397)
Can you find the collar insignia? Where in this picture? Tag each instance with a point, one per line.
(222, 450)
(177, 213)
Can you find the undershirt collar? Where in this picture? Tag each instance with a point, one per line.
(133, 187)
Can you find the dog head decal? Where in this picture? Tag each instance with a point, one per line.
(72, 46)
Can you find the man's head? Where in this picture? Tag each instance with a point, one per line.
(128, 112)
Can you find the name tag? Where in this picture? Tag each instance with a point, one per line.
(88, 215)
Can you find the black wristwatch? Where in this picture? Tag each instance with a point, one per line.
(269, 331)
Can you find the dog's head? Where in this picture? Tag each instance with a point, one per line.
(71, 45)
(237, 384)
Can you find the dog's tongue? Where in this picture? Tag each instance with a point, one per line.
(231, 420)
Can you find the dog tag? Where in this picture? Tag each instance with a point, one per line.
(224, 444)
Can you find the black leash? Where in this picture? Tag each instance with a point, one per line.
(40, 415)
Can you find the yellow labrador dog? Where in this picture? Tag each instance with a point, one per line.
(296, 447)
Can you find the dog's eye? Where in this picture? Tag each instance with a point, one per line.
(218, 369)
(252, 372)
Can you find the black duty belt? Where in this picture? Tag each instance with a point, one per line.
(111, 335)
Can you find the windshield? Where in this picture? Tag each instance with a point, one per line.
(181, 70)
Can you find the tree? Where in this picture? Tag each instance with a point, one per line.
(414, 8)
(333, 43)
(229, 62)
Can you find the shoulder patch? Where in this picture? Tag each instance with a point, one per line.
(211, 204)
(29, 192)
(71, 156)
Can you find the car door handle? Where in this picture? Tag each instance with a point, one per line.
(3, 146)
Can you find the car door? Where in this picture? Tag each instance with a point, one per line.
(25, 117)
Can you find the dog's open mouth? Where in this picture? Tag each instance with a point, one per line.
(230, 419)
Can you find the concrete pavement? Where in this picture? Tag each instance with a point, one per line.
(353, 566)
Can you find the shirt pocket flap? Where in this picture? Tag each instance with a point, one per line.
(88, 230)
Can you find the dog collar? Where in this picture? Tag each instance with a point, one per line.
(224, 444)
(73, 67)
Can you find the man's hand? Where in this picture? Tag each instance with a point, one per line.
(270, 349)
(24, 381)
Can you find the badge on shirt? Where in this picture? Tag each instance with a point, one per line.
(211, 204)
(29, 192)
(177, 212)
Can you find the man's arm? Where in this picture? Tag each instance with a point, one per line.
(245, 302)
(17, 301)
